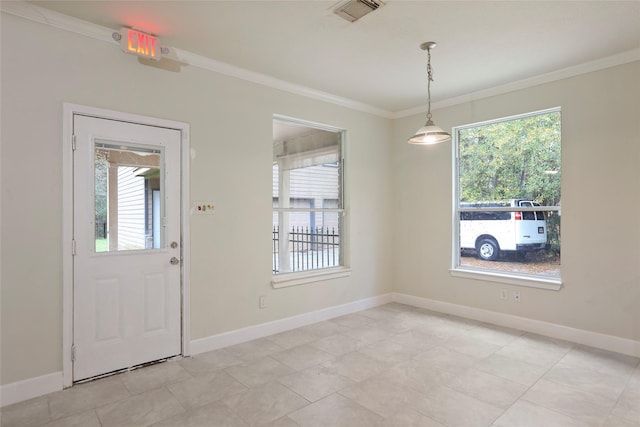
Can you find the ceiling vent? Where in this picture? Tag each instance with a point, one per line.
(353, 10)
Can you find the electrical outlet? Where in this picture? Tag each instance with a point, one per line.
(262, 301)
(504, 294)
(516, 296)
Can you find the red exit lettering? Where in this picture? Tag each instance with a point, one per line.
(140, 44)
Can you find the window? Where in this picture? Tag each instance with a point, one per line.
(127, 197)
(308, 207)
(507, 199)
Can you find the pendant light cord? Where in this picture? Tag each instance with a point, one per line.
(429, 80)
(429, 133)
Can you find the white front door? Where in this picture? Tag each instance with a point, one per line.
(126, 226)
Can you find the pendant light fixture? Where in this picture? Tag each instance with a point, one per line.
(429, 133)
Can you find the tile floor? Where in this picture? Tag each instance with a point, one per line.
(393, 365)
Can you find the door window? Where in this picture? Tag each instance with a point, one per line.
(128, 205)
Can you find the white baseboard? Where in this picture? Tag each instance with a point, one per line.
(38, 386)
(580, 336)
(249, 333)
(28, 389)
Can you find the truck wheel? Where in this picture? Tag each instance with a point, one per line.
(488, 249)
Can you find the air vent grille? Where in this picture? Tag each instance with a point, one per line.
(356, 9)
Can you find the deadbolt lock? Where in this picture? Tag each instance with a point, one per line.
(174, 245)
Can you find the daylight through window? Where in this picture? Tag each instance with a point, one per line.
(307, 198)
(507, 199)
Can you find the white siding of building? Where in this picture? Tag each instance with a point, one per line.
(131, 209)
(311, 187)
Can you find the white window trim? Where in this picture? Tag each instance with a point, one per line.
(539, 282)
(533, 281)
(285, 280)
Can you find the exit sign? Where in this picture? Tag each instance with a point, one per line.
(141, 44)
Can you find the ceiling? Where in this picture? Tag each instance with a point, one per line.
(377, 60)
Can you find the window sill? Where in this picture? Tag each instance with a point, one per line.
(294, 279)
(540, 282)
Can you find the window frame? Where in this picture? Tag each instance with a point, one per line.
(288, 279)
(510, 278)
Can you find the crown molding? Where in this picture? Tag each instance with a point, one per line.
(213, 65)
(588, 67)
(64, 22)
(97, 32)
(57, 20)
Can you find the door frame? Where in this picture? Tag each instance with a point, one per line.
(69, 110)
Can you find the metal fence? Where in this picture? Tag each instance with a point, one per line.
(101, 229)
(309, 248)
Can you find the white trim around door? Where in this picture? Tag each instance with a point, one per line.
(69, 110)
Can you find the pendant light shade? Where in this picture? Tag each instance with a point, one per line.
(429, 133)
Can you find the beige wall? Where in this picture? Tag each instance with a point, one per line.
(231, 136)
(399, 195)
(600, 205)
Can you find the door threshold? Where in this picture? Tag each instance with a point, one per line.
(129, 369)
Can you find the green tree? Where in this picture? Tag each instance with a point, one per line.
(100, 185)
(515, 159)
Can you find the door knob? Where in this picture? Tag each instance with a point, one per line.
(174, 261)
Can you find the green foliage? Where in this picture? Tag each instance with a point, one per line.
(512, 160)
(102, 245)
(100, 187)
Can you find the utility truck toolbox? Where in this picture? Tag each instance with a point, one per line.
(491, 232)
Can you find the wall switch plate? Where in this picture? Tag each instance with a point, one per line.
(262, 301)
(504, 294)
(516, 296)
